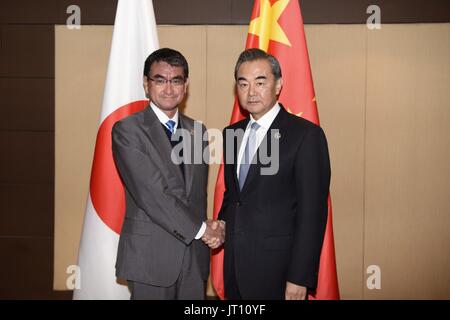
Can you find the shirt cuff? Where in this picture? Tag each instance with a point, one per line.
(201, 231)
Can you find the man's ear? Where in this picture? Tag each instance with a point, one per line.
(278, 86)
(186, 83)
(145, 84)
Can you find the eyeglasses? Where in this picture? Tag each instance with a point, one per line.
(176, 82)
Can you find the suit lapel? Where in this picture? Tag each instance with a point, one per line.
(255, 169)
(188, 152)
(158, 138)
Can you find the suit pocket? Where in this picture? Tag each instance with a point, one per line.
(282, 242)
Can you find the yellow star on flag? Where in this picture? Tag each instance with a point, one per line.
(297, 114)
(266, 26)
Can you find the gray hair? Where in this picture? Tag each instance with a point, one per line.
(258, 54)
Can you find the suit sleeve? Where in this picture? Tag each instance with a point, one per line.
(206, 159)
(224, 205)
(137, 172)
(312, 174)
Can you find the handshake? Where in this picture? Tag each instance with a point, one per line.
(214, 235)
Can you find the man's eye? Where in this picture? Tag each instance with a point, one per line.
(260, 84)
(160, 82)
(177, 82)
(243, 85)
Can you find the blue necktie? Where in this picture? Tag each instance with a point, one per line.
(171, 126)
(248, 154)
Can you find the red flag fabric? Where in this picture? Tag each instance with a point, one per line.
(277, 28)
(134, 38)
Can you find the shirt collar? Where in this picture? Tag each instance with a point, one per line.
(266, 120)
(162, 117)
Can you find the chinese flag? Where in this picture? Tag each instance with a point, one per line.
(277, 28)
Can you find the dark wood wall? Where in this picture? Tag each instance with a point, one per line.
(27, 109)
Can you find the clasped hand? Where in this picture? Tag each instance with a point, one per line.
(214, 235)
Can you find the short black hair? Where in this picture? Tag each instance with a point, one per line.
(170, 56)
(258, 54)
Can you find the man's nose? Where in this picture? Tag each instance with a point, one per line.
(168, 88)
(251, 90)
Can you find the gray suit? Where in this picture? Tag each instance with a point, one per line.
(164, 209)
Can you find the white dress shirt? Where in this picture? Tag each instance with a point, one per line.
(264, 122)
(163, 118)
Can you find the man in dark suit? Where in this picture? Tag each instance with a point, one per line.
(275, 219)
(161, 253)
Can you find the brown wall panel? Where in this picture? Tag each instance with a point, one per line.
(355, 11)
(241, 11)
(407, 11)
(26, 157)
(224, 11)
(27, 104)
(28, 11)
(27, 148)
(92, 12)
(25, 267)
(326, 11)
(27, 51)
(407, 187)
(192, 11)
(31, 218)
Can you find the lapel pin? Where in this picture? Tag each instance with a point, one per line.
(277, 135)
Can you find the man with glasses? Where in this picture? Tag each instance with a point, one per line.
(161, 253)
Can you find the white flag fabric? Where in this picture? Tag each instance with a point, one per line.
(134, 38)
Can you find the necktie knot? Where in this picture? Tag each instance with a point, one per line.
(255, 126)
(171, 126)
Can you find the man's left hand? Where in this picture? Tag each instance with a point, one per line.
(295, 292)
